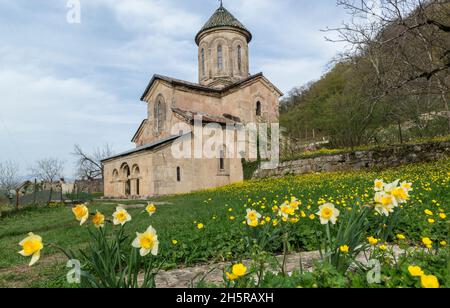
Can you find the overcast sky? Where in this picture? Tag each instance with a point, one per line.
(63, 83)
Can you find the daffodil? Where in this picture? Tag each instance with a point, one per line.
(252, 217)
(415, 271)
(378, 185)
(32, 246)
(400, 194)
(429, 282)
(81, 213)
(286, 210)
(147, 242)
(98, 220)
(150, 209)
(121, 216)
(328, 213)
(385, 203)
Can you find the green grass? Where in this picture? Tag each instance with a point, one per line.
(222, 238)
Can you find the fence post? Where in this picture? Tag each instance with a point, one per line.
(17, 199)
(34, 192)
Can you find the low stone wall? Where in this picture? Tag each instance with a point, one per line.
(358, 160)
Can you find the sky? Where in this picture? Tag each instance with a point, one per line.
(67, 83)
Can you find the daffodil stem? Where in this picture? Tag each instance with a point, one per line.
(329, 241)
(285, 251)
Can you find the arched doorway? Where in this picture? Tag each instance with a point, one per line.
(126, 176)
(136, 179)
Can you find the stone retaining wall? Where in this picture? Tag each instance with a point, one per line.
(358, 160)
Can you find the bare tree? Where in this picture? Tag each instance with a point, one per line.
(9, 176)
(48, 169)
(406, 43)
(89, 166)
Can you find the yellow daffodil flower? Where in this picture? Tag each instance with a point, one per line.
(98, 220)
(81, 213)
(32, 246)
(150, 209)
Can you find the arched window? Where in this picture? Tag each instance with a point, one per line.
(160, 114)
(239, 57)
(115, 174)
(178, 174)
(258, 109)
(222, 159)
(203, 62)
(219, 57)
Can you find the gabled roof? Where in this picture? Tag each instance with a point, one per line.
(198, 87)
(141, 127)
(222, 18)
(146, 147)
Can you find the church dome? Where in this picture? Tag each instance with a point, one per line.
(222, 18)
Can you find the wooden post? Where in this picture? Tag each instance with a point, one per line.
(17, 199)
(34, 192)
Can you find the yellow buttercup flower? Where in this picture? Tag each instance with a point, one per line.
(239, 270)
(415, 271)
(372, 241)
(429, 282)
(431, 221)
(383, 247)
(147, 242)
(121, 216)
(427, 242)
(443, 243)
(150, 209)
(32, 246)
(328, 213)
(231, 276)
(344, 249)
(428, 212)
(200, 226)
(174, 242)
(286, 210)
(442, 215)
(81, 213)
(98, 220)
(401, 237)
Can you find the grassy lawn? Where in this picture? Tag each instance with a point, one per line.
(222, 212)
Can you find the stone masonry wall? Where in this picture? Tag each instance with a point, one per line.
(359, 160)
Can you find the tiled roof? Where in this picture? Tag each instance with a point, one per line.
(146, 147)
(198, 87)
(223, 18)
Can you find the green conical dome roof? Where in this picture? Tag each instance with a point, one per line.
(222, 18)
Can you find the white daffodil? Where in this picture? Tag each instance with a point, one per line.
(388, 188)
(147, 242)
(379, 185)
(385, 203)
(327, 212)
(32, 246)
(252, 217)
(121, 216)
(81, 213)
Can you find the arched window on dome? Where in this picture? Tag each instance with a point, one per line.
(220, 57)
(239, 58)
(203, 62)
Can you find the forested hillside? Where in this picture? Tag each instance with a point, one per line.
(391, 85)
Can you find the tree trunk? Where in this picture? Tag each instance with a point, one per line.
(34, 192)
(400, 133)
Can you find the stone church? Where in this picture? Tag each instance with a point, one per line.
(226, 94)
